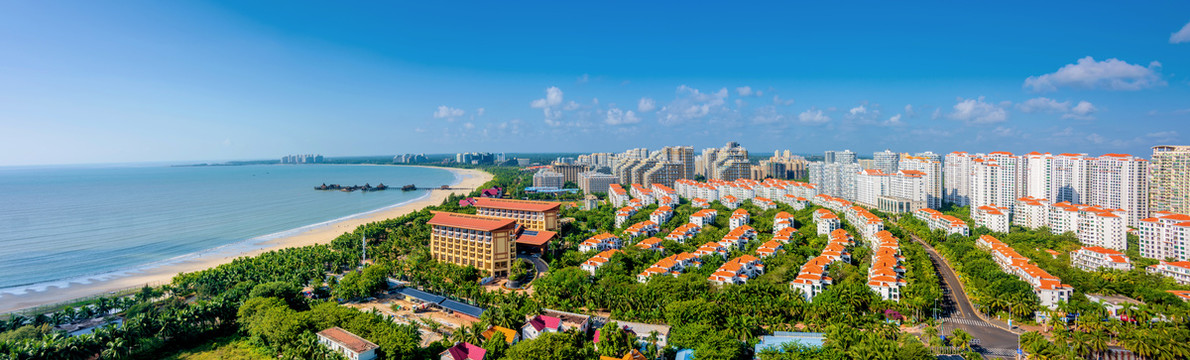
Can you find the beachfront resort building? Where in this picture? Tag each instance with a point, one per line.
(347, 344)
(473, 240)
(533, 215)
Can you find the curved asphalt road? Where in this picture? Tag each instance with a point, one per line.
(539, 265)
(957, 312)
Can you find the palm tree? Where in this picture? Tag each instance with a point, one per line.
(962, 338)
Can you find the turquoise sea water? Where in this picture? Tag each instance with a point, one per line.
(66, 223)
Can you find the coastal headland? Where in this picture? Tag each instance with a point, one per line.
(467, 179)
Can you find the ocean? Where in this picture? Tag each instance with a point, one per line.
(90, 222)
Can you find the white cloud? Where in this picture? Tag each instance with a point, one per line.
(1003, 131)
(553, 97)
(937, 114)
(895, 120)
(448, 113)
(1081, 111)
(1163, 136)
(1096, 139)
(777, 100)
(1181, 36)
(693, 104)
(646, 105)
(858, 110)
(584, 79)
(976, 111)
(767, 115)
(1111, 74)
(572, 106)
(479, 112)
(813, 116)
(909, 110)
(618, 117)
(1043, 104)
(744, 90)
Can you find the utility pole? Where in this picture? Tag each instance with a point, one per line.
(363, 244)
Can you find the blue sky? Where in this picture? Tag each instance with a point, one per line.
(130, 81)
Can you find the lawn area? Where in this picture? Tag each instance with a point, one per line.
(226, 348)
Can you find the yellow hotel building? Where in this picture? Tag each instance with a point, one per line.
(533, 215)
(471, 240)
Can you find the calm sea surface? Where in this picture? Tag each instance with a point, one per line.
(67, 223)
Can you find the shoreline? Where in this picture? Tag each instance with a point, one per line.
(162, 272)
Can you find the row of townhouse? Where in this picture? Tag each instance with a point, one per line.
(1166, 235)
(700, 203)
(737, 271)
(812, 279)
(685, 232)
(886, 276)
(936, 220)
(704, 217)
(662, 214)
(617, 195)
(1093, 258)
(642, 229)
(780, 238)
(826, 221)
(772, 189)
(673, 265)
(597, 261)
(831, 202)
(867, 223)
(1048, 288)
(601, 242)
(740, 217)
(1093, 225)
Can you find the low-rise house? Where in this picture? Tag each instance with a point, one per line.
(737, 271)
(617, 195)
(769, 248)
(652, 243)
(812, 279)
(782, 220)
(540, 324)
(662, 214)
(673, 265)
(784, 235)
(1093, 258)
(624, 214)
(463, 351)
(685, 232)
(936, 220)
(739, 218)
(700, 203)
(731, 202)
(1048, 288)
(601, 242)
(597, 261)
(510, 336)
(347, 344)
(764, 203)
(712, 248)
(827, 221)
(797, 202)
(643, 228)
(704, 217)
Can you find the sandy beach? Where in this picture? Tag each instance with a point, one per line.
(468, 179)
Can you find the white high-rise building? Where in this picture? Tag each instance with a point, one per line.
(835, 179)
(932, 174)
(547, 177)
(886, 161)
(1166, 235)
(957, 187)
(1061, 177)
(994, 181)
(1169, 185)
(1121, 181)
(870, 185)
